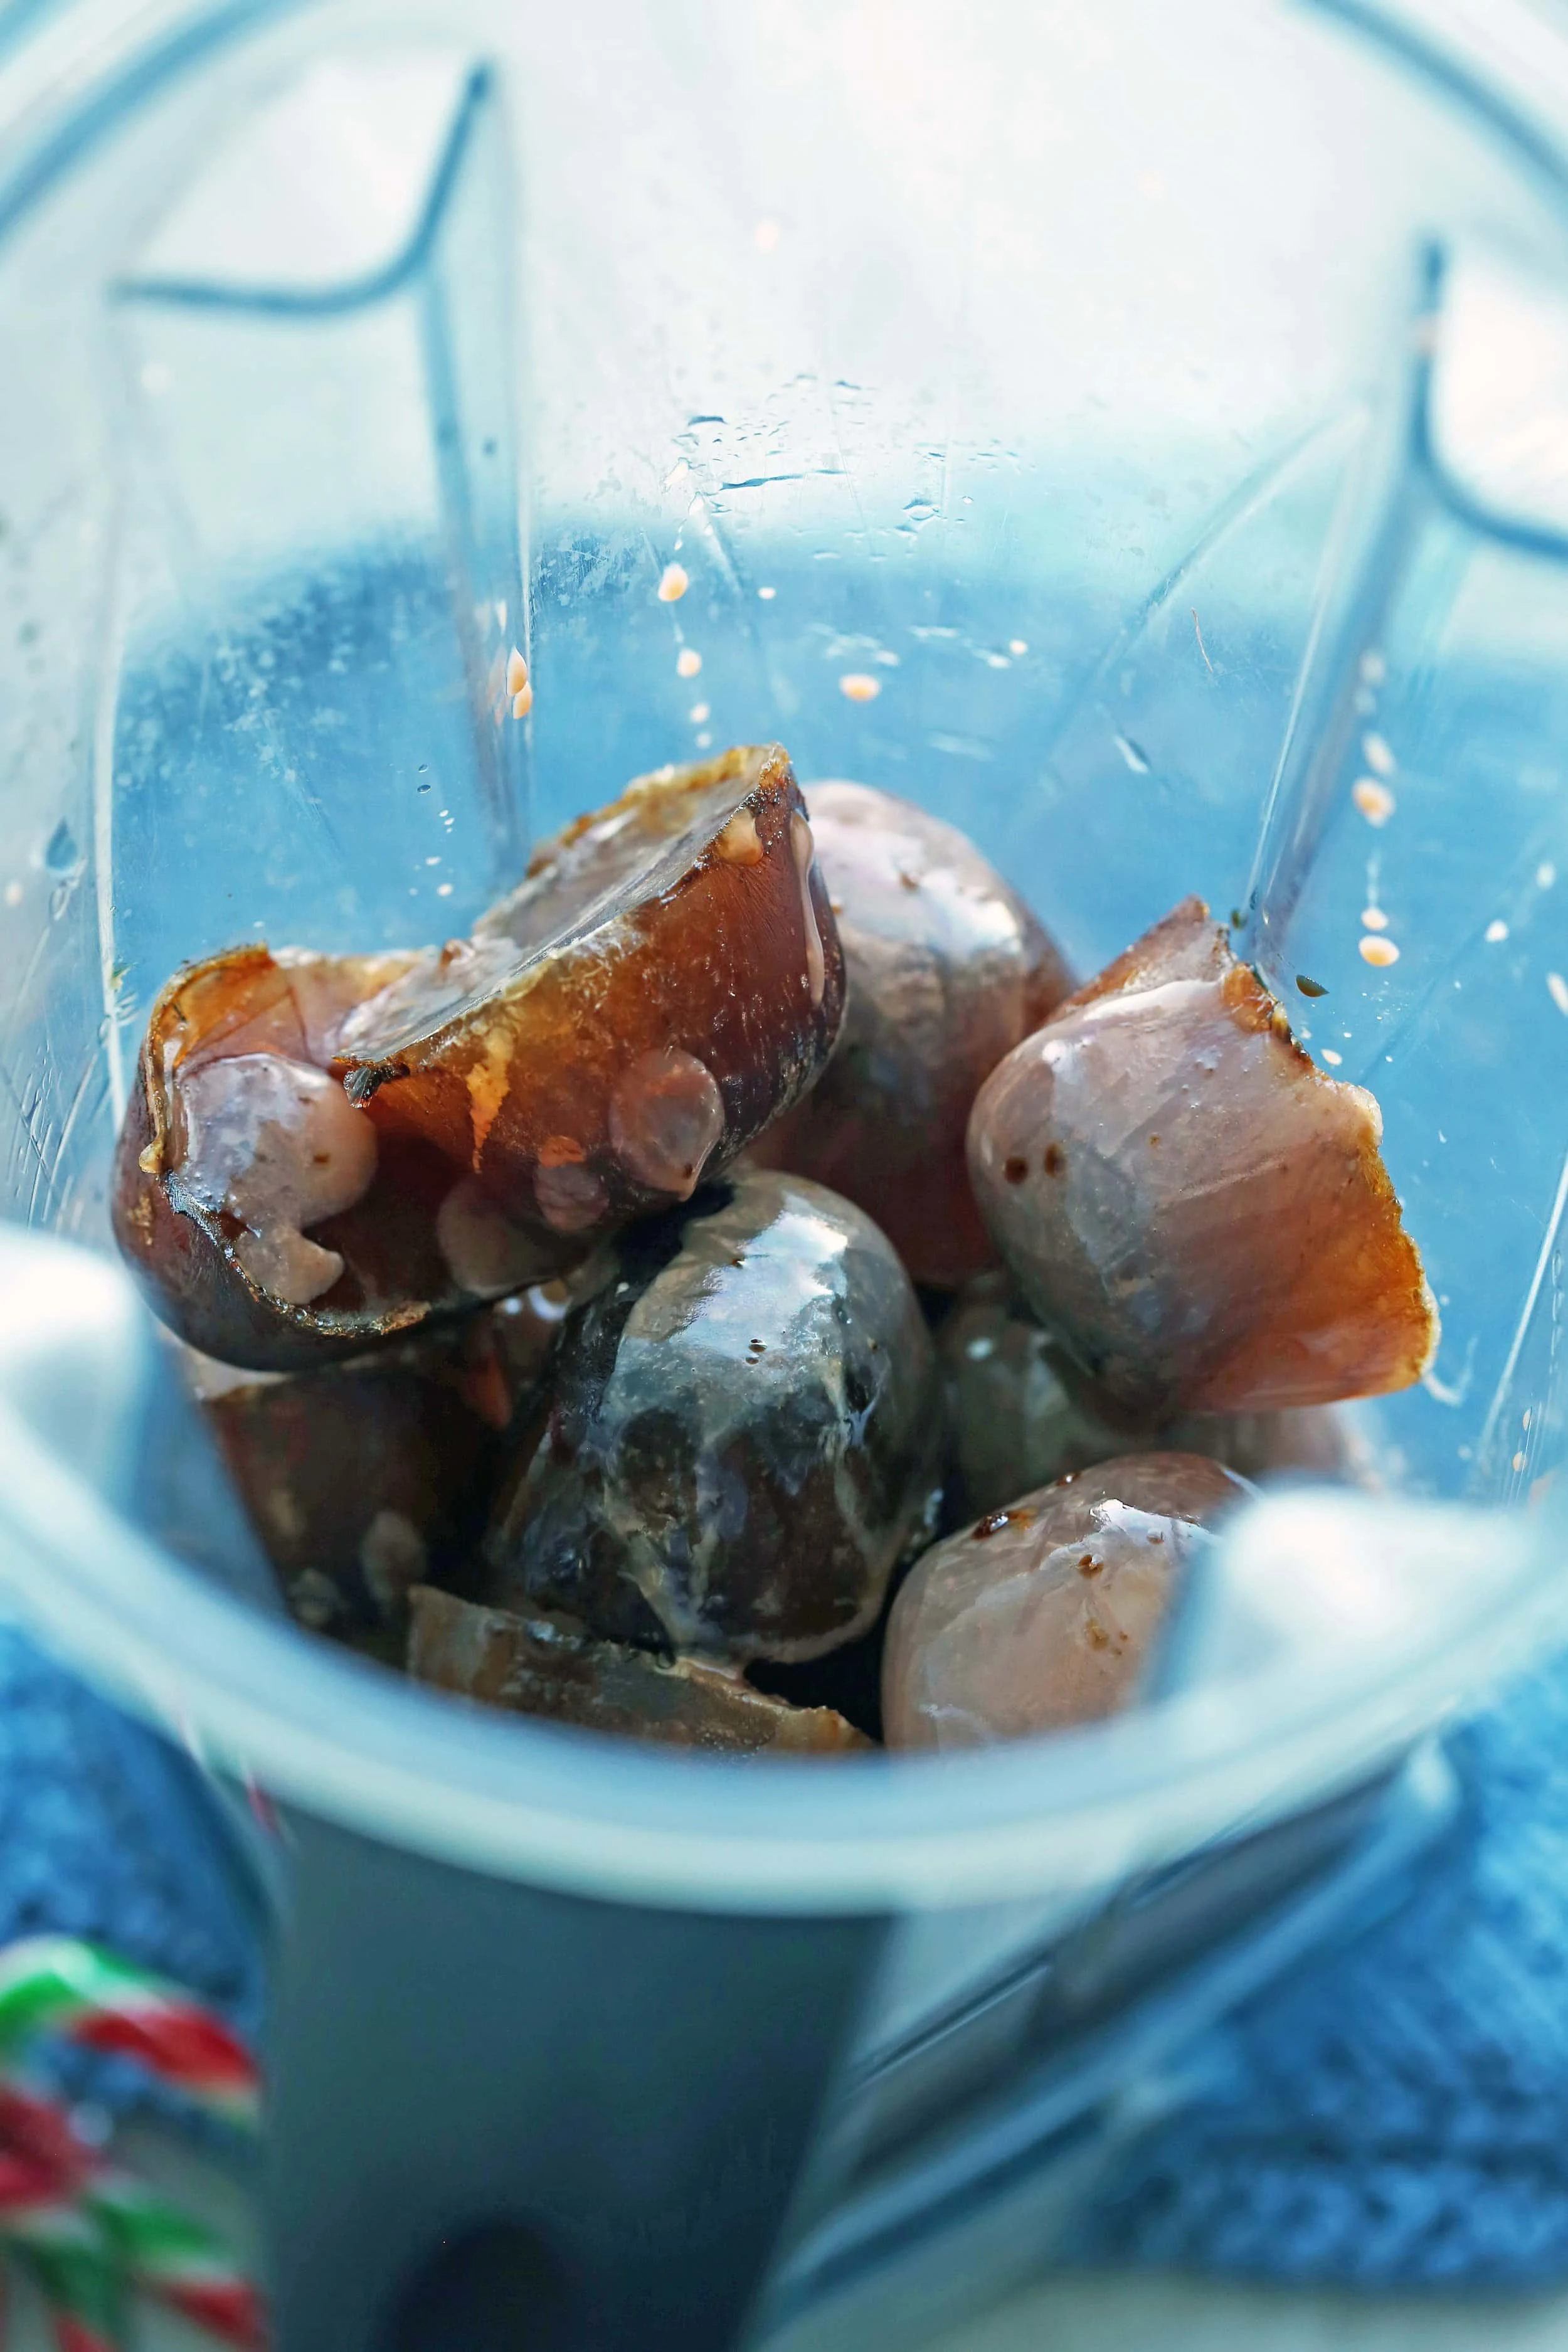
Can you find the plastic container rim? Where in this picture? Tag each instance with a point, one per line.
(341, 1739)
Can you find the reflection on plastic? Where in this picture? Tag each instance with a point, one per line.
(321, 562)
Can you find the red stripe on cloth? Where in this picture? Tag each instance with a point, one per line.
(35, 2129)
(233, 2313)
(185, 2045)
(76, 2335)
(25, 2183)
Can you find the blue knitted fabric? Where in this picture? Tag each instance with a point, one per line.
(105, 1833)
(1396, 2115)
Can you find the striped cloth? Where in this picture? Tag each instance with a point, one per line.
(106, 1833)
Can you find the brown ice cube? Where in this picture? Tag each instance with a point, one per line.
(545, 1665)
(947, 969)
(1313, 1442)
(1017, 1416)
(665, 979)
(1013, 1423)
(1049, 1612)
(237, 1139)
(743, 1435)
(1199, 1216)
(322, 1152)
(364, 1479)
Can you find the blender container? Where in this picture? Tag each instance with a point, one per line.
(1140, 436)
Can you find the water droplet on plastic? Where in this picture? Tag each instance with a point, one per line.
(1137, 759)
(62, 856)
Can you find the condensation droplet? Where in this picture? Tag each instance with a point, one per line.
(1375, 802)
(62, 856)
(1379, 953)
(740, 842)
(666, 1116)
(805, 849)
(571, 1197)
(859, 686)
(673, 583)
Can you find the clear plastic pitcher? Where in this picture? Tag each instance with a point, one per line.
(1137, 435)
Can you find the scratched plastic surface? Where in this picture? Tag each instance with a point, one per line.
(1014, 487)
